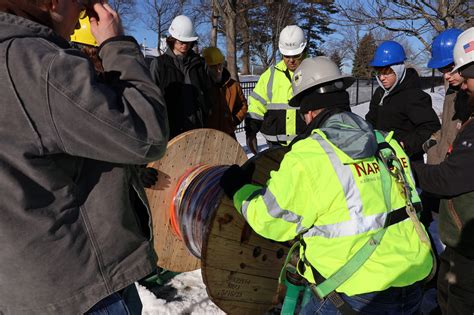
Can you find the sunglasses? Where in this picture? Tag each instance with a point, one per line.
(299, 56)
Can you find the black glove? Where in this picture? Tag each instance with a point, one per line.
(149, 176)
(235, 177)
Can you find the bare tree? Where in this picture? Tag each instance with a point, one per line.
(244, 38)
(346, 44)
(200, 12)
(266, 24)
(159, 15)
(228, 11)
(126, 9)
(214, 24)
(417, 18)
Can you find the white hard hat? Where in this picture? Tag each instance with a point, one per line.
(317, 71)
(464, 49)
(292, 41)
(182, 29)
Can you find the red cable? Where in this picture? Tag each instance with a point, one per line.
(173, 219)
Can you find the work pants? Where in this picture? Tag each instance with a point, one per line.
(393, 301)
(455, 283)
(125, 302)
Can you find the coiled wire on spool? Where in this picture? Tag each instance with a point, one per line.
(195, 200)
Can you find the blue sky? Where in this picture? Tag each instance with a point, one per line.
(143, 35)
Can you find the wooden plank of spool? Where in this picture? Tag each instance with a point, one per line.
(192, 148)
(239, 267)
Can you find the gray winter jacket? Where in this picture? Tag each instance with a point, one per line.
(68, 234)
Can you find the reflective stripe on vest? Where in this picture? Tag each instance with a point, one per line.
(278, 106)
(274, 209)
(278, 138)
(258, 98)
(358, 223)
(255, 116)
(270, 84)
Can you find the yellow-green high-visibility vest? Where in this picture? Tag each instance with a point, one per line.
(268, 102)
(337, 203)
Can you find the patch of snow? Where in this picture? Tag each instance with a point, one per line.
(184, 294)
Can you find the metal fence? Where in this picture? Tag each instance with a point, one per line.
(359, 92)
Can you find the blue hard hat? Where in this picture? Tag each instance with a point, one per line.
(387, 54)
(442, 48)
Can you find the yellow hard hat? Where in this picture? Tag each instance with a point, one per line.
(213, 56)
(83, 35)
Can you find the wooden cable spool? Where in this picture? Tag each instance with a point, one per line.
(192, 148)
(239, 267)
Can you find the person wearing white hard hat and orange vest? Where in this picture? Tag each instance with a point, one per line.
(229, 102)
(268, 111)
(180, 73)
(452, 179)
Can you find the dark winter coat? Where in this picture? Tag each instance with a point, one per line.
(407, 111)
(68, 234)
(455, 108)
(453, 181)
(229, 105)
(186, 86)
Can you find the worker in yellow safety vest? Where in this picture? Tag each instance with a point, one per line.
(346, 193)
(268, 110)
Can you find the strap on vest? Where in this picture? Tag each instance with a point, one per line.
(327, 287)
(393, 166)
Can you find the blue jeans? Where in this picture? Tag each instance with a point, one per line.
(111, 305)
(393, 301)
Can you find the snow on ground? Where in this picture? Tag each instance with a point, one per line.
(186, 293)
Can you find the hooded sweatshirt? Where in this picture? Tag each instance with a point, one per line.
(406, 110)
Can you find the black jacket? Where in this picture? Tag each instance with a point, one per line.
(407, 111)
(452, 179)
(187, 99)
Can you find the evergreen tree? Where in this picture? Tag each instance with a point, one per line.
(363, 55)
(337, 59)
(314, 18)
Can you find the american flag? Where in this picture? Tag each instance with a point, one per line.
(469, 47)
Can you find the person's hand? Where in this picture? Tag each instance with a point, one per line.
(149, 176)
(105, 22)
(235, 177)
(252, 144)
(431, 142)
